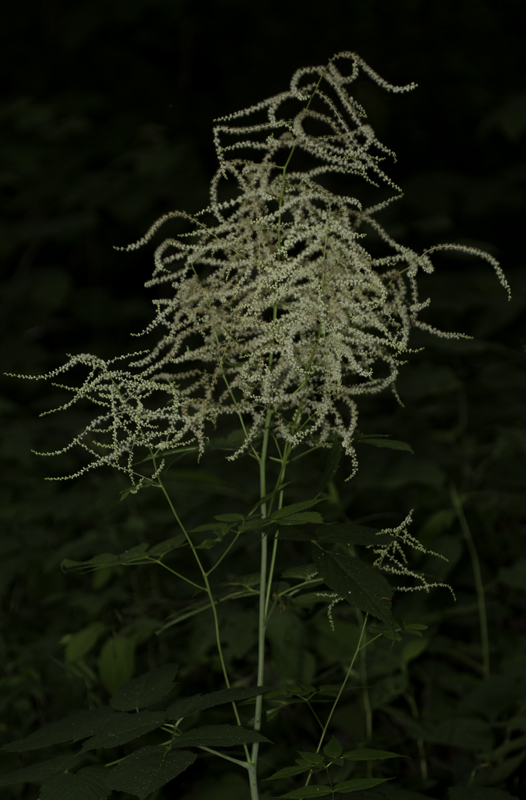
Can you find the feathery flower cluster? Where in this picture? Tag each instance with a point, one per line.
(279, 304)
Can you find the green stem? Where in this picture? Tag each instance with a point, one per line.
(481, 600)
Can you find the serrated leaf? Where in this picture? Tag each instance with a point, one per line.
(254, 523)
(116, 661)
(347, 533)
(146, 689)
(218, 736)
(252, 579)
(81, 642)
(294, 508)
(102, 560)
(133, 553)
(198, 702)
(393, 444)
(210, 526)
(333, 749)
(87, 784)
(301, 572)
(168, 545)
(148, 769)
(312, 759)
(123, 728)
(330, 468)
(41, 771)
(358, 784)
(302, 518)
(288, 772)
(357, 582)
(368, 754)
(72, 729)
(308, 792)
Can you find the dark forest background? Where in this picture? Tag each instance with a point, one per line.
(106, 113)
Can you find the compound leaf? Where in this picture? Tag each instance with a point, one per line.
(146, 689)
(147, 769)
(72, 729)
(124, 728)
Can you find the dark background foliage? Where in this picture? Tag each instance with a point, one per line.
(106, 122)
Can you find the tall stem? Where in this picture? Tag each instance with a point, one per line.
(475, 563)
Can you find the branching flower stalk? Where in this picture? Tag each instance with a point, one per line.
(275, 310)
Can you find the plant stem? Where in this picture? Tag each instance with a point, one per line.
(481, 600)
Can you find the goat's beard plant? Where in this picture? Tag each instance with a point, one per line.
(280, 316)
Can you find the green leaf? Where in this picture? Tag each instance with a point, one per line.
(168, 545)
(301, 572)
(210, 526)
(41, 771)
(133, 553)
(346, 533)
(72, 729)
(116, 661)
(294, 508)
(81, 642)
(358, 784)
(198, 702)
(148, 769)
(146, 689)
(252, 579)
(333, 749)
(87, 784)
(376, 441)
(303, 518)
(230, 517)
(102, 560)
(218, 736)
(312, 759)
(123, 728)
(357, 582)
(309, 791)
(368, 754)
(331, 467)
(289, 772)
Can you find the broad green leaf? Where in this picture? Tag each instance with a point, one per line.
(168, 545)
(116, 661)
(289, 772)
(294, 508)
(211, 526)
(81, 643)
(330, 468)
(41, 771)
(312, 759)
(133, 553)
(146, 689)
(148, 769)
(87, 784)
(358, 784)
(72, 729)
(413, 649)
(218, 736)
(123, 728)
(102, 560)
(303, 572)
(393, 444)
(302, 518)
(333, 749)
(368, 754)
(346, 533)
(357, 582)
(254, 523)
(308, 792)
(198, 702)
